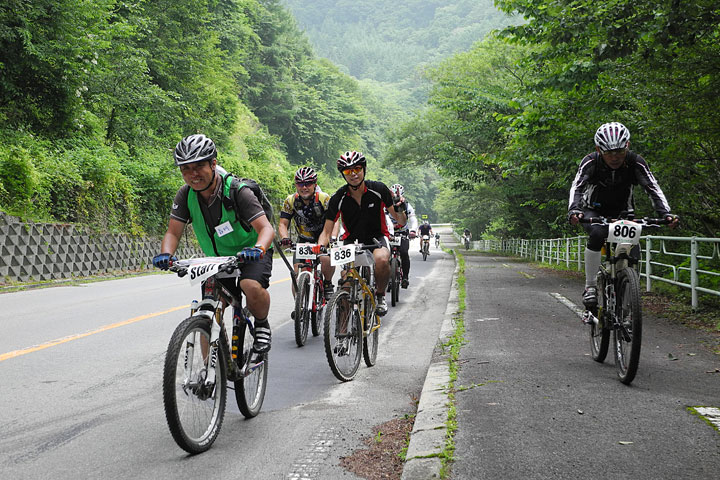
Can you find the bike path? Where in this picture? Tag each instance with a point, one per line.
(531, 403)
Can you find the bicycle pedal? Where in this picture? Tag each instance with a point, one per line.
(588, 318)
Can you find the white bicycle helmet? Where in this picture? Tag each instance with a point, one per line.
(611, 136)
(397, 189)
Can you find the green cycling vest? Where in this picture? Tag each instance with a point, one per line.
(210, 242)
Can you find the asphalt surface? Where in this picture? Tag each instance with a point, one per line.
(531, 402)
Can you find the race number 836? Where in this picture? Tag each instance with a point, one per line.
(624, 231)
(342, 255)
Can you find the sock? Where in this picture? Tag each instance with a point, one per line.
(592, 264)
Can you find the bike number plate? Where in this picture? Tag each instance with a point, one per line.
(342, 255)
(395, 241)
(303, 251)
(624, 231)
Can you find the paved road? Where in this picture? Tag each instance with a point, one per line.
(537, 406)
(88, 404)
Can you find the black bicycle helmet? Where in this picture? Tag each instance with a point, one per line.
(194, 148)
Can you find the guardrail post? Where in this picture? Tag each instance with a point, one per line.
(648, 265)
(567, 253)
(693, 271)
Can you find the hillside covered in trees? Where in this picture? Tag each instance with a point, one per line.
(94, 95)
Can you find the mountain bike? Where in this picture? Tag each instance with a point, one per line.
(618, 289)
(466, 242)
(425, 246)
(396, 273)
(199, 362)
(310, 295)
(351, 324)
(437, 241)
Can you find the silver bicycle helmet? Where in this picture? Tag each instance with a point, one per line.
(194, 148)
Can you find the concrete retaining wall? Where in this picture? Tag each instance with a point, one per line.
(47, 251)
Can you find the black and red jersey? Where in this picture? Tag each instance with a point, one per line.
(365, 221)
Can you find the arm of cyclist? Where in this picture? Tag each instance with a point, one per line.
(169, 244)
(266, 234)
(283, 232)
(398, 210)
(324, 237)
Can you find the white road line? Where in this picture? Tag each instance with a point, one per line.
(578, 311)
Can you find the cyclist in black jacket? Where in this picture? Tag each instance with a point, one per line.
(603, 186)
(360, 204)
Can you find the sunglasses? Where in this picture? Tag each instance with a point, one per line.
(616, 151)
(356, 169)
(304, 184)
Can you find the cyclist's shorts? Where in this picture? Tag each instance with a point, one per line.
(370, 241)
(259, 271)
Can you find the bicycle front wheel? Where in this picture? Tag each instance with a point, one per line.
(371, 334)
(425, 252)
(320, 301)
(250, 389)
(302, 309)
(600, 332)
(343, 336)
(394, 281)
(628, 330)
(194, 409)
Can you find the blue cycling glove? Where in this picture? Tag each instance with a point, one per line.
(251, 254)
(163, 260)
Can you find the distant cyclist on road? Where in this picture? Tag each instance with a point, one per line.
(307, 207)
(603, 186)
(425, 229)
(360, 205)
(218, 230)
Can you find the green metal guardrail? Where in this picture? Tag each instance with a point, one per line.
(664, 259)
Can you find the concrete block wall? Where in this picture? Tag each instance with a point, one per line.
(46, 251)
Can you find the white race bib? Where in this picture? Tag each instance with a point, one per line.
(303, 251)
(624, 231)
(342, 255)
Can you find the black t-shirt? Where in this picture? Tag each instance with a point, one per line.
(424, 229)
(365, 221)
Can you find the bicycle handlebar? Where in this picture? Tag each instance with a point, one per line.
(646, 221)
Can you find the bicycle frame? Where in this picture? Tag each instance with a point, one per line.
(358, 287)
(215, 296)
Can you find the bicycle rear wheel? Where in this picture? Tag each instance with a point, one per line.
(628, 334)
(343, 336)
(371, 334)
(394, 281)
(600, 332)
(302, 309)
(194, 410)
(250, 389)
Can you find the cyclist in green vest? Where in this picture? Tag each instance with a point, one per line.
(219, 229)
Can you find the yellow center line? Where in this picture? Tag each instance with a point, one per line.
(69, 338)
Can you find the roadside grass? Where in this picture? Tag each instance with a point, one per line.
(452, 347)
